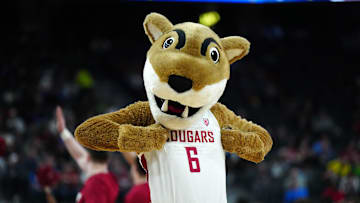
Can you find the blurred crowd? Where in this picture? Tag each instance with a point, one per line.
(296, 84)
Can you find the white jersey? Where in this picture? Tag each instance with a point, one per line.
(191, 166)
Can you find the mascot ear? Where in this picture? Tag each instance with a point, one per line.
(235, 47)
(156, 25)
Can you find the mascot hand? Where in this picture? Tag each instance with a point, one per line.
(142, 139)
(245, 144)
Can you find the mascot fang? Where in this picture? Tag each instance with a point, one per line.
(181, 133)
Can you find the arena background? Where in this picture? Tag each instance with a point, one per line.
(301, 81)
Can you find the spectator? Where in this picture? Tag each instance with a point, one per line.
(296, 188)
(100, 186)
(332, 193)
(322, 148)
(140, 192)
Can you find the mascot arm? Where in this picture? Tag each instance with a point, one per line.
(248, 140)
(130, 129)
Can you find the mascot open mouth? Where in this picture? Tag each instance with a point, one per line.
(175, 108)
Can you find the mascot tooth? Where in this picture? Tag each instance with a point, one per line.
(185, 74)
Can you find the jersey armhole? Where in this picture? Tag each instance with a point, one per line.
(143, 164)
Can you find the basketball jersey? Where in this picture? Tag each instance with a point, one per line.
(190, 167)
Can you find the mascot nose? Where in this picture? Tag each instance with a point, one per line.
(179, 83)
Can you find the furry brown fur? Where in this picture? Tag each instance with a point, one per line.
(246, 139)
(124, 131)
(129, 129)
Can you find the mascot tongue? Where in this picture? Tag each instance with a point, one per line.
(175, 108)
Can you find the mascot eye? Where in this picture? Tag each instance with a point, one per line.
(169, 41)
(214, 54)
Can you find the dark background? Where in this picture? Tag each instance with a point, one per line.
(300, 80)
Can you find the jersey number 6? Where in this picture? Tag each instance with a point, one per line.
(193, 159)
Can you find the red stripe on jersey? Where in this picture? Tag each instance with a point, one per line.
(143, 163)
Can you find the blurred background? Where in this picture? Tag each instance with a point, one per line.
(301, 81)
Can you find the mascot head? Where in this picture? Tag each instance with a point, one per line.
(186, 69)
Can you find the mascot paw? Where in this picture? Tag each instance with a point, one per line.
(239, 142)
(142, 139)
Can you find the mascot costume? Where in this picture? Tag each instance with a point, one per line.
(181, 133)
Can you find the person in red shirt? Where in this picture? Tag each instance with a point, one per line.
(140, 191)
(101, 185)
(332, 193)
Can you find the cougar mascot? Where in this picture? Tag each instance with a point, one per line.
(181, 133)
